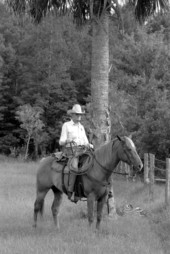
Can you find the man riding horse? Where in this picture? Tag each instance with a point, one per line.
(72, 136)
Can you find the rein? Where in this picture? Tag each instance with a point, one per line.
(105, 184)
(108, 170)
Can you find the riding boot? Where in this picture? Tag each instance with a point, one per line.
(72, 178)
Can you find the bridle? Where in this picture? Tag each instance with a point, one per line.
(108, 170)
(127, 154)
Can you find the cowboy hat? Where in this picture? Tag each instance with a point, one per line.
(76, 109)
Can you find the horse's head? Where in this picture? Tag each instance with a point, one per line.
(129, 154)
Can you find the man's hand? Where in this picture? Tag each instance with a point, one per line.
(68, 141)
(71, 142)
(91, 146)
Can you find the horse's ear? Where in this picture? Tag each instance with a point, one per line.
(119, 138)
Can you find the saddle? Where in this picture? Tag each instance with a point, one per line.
(85, 158)
(59, 158)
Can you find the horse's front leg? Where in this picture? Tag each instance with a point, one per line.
(90, 207)
(100, 205)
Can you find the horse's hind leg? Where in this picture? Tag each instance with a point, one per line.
(39, 204)
(56, 205)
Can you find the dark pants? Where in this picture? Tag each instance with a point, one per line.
(72, 176)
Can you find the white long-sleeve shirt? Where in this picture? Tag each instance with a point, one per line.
(73, 132)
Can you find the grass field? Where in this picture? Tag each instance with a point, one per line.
(131, 233)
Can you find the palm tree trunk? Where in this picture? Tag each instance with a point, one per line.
(100, 79)
(100, 91)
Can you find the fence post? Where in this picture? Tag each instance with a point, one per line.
(146, 168)
(167, 186)
(152, 175)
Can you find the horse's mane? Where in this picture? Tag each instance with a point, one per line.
(105, 152)
(106, 146)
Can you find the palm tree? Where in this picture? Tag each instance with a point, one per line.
(97, 12)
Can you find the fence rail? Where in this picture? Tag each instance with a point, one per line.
(151, 179)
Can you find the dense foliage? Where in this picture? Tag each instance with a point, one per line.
(141, 79)
(48, 66)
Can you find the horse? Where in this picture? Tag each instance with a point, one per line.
(95, 180)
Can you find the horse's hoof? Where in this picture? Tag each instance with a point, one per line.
(57, 229)
(97, 229)
(34, 225)
(90, 224)
(56, 225)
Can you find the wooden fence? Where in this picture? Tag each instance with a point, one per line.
(150, 177)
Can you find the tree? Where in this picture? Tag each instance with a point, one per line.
(98, 12)
(8, 123)
(31, 122)
(139, 89)
(51, 74)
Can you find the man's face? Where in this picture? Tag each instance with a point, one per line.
(76, 118)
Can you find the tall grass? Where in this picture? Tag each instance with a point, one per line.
(130, 233)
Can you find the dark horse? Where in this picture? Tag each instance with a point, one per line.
(95, 180)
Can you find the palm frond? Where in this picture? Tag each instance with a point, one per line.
(18, 6)
(39, 8)
(145, 8)
(83, 9)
